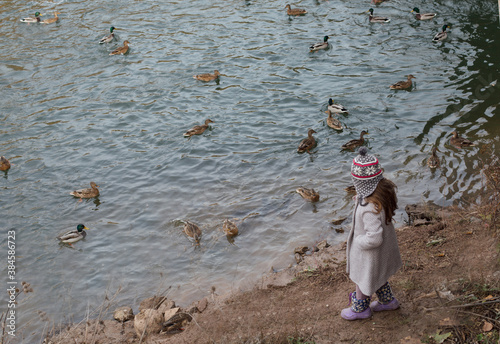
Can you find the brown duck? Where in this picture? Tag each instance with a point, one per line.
(4, 164)
(433, 161)
(356, 142)
(198, 129)
(207, 76)
(230, 228)
(308, 143)
(459, 141)
(294, 11)
(91, 192)
(121, 50)
(403, 85)
(51, 20)
(333, 122)
(192, 231)
(308, 194)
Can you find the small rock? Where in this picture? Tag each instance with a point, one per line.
(123, 314)
(166, 305)
(170, 313)
(322, 245)
(148, 321)
(339, 230)
(202, 304)
(301, 250)
(152, 302)
(193, 309)
(338, 221)
(298, 258)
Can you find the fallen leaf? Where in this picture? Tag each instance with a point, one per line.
(487, 326)
(489, 297)
(447, 322)
(440, 255)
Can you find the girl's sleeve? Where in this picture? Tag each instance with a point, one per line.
(374, 231)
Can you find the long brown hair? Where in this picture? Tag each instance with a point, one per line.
(384, 197)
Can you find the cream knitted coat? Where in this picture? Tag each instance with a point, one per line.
(372, 249)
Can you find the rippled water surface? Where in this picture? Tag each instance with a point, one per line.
(71, 114)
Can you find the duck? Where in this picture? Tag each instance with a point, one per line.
(336, 108)
(433, 161)
(121, 50)
(441, 35)
(4, 164)
(229, 227)
(91, 192)
(333, 122)
(198, 129)
(356, 142)
(422, 16)
(207, 76)
(319, 46)
(32, 20)
(294, 11)
(51, 20)
(308, 143)
(350, 189)
(403, 85)
(74, 235)
(374, 19)
(110, 37)
(308, 194)
(459, 141)
(192, 231)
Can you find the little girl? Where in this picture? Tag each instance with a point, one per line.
(372, 247)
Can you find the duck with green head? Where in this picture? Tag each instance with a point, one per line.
(441, 35)
(74, 235)
(319, 46)
(422, 16)
(376, 19)
(110, 37)
(32, 20)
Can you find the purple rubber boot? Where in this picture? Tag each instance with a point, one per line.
(359, 309)
(386, 300)
(376, 306)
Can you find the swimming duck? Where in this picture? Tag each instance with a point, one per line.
(91, 192)
(74, 235)
(308, 194)
(433, 161)
(4, 164)
(374, 19)
(230, 228)
(356, 142)
(51, 20)
(121, 50)
(441, 35)
(110, 37)
(319, 46)
(422, 16)
(32, 20)
(308, 143)
(333, 122)
(294, 11)
(207, 76)
(336, 108)
(198, 129)
(459, 141)
(403, 85)
(192, 231)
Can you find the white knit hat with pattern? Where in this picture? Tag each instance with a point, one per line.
(365, 173)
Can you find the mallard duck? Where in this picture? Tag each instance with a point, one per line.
(356, 142)
(32, 20)
(4, 164)
(230, 228)
(319, 46)
(91, 192)
(51, 20)
(308, 194)
(207, 76)
(374, 19)
(110, 37)
(332, 122)
(198, 129)
(336, 108)
(74, 235)
(433, 161)
(459, 141)
(294, 11)
(308, 143)
(422, 16)
(121, 50)
(441, 35)
(192, 231)
(403, 85)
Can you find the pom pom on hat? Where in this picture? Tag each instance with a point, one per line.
(366, 172)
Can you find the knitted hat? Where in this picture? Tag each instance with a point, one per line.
(365, 173)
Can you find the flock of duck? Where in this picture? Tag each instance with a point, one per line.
(229, 227)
